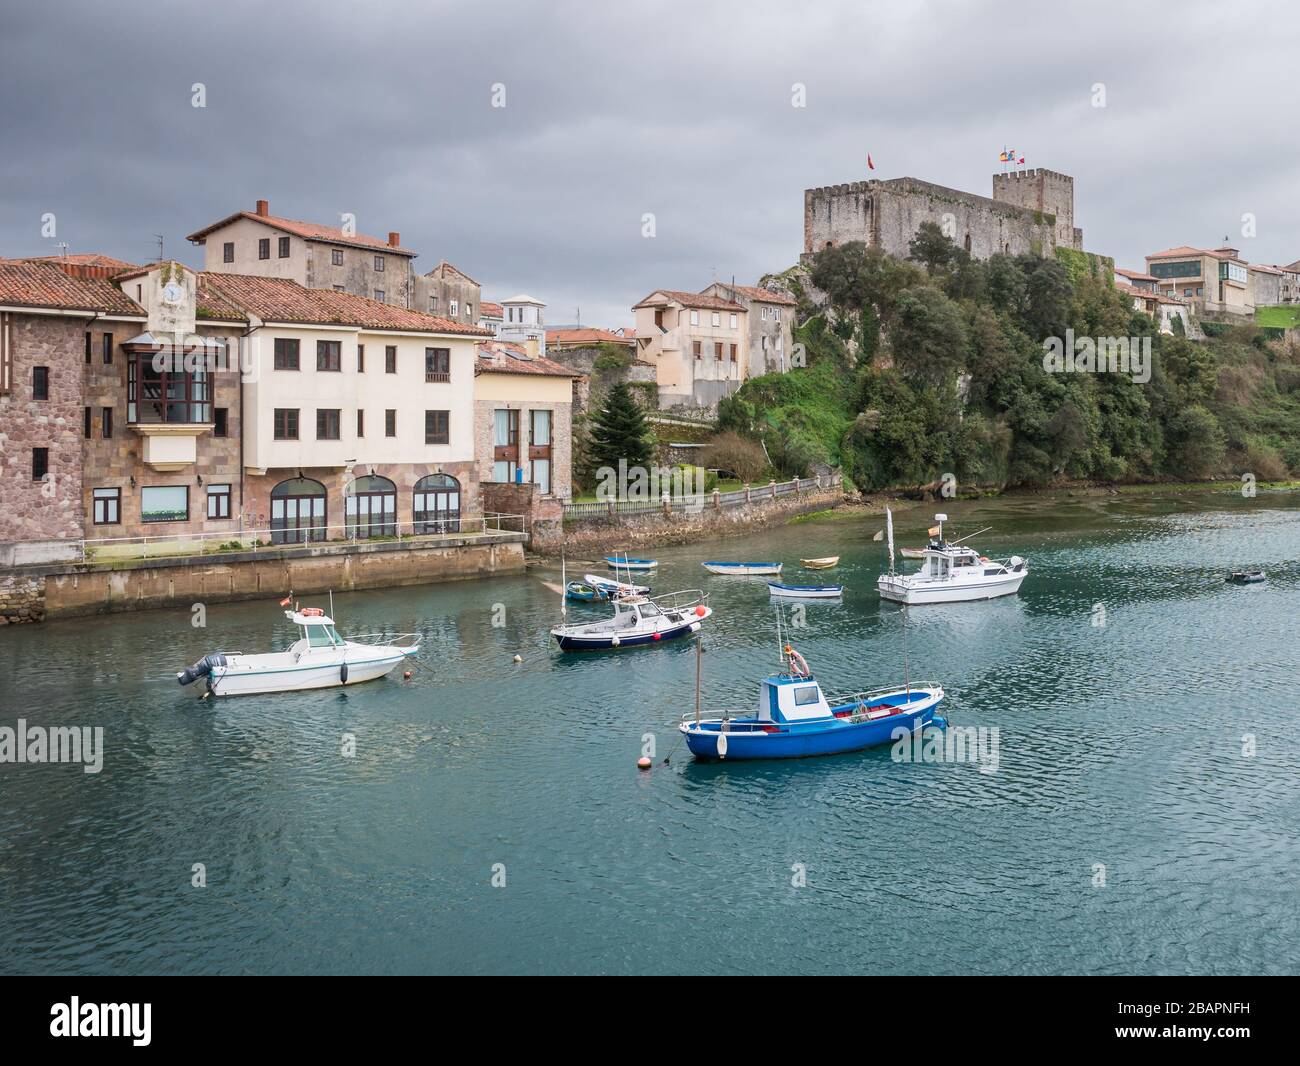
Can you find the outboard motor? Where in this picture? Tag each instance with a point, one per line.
(202, 668)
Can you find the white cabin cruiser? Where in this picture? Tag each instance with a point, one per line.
(319, 659)
(951, 573)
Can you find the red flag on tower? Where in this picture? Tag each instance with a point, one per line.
(870, 164)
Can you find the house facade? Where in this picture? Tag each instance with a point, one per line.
(523, 419)
(771, 322)
(697, 342)
(1216, 281)
(448, 293)
(315, 256)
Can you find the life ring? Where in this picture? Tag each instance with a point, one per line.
(798, 664)
(312, 612)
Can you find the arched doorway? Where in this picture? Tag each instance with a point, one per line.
(298, 511)
(437, 504)
(370, 506)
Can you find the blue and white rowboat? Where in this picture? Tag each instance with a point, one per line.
(805, 592)
(622, 562)
(794, 719)
(745, 569)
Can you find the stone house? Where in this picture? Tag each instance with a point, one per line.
(449, 293)
(313, 255)
(523, 419)
(1266, 284)
(1216, 281)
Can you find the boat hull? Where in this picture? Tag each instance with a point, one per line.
(820, 564)
(231, 680)
(638, 565)
(795, 743)
(805, 592)
(607, 642)
(910, 591)
(744, 569)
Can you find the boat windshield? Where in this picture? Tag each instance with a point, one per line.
(322, 636)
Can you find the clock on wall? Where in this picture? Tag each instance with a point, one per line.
(173, 293)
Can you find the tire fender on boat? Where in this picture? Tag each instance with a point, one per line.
(343, 674)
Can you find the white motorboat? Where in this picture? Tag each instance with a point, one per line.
(951, 573)
(637, 621)
(319, 659)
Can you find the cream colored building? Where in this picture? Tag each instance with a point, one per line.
(1215, 281)
(698, 344)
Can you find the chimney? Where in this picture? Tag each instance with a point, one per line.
(263, 208)
(531, 347)
(394, 239)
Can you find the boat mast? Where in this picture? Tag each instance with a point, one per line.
(564, 589)
(907, 683)
(889, 525)
(699, 647)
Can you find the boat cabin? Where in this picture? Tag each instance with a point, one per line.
(784, 698)
(317, 627)
(947, 561)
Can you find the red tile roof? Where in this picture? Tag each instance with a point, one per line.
(1264, 269)
(1135, 275)
(282, 300)
(38, 284)
(310, 231)
(687, 299)
(585, 335)
(1184, 250)
(501, 358)
(491, 310)
(762, 295)
(443, 267)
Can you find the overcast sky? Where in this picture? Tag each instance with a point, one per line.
(619, 109)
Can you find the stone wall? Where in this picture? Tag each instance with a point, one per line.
(1046, 192)
(544, 515)
(22, 598)
(71, 591)
(48, 510)
(656, 529)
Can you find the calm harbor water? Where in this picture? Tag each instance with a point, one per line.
(1120, 745)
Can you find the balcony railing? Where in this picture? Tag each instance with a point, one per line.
(440, 376)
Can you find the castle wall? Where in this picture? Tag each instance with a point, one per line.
(1044, 191)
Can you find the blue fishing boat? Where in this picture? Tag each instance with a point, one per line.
(804, 592)
(744, 569)
(581, 592)
(795, 719)
(622, 562)
(638, 621)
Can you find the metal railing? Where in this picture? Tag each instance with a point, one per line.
(275, 538)
(750, 495)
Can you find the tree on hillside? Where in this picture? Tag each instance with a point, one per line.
(619, 432)
(928, 338)
(856, 278)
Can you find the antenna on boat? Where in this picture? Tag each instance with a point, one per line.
(889, 526)
(941, 519)
(331, 603)
(564, 588)
(975, 534)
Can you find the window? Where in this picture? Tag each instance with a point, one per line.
(735, 321)
(106, 424)
(733, 353)
(228, 252)
(107, 344)
(436, 507)
(370, 506)
(336, 257)
(327, 423)
(717, 350)
(286, 353)
(221, 422)
(339, 288)
(695, 318)
(85, 428)
(361, 358)
(40, 383)
(696, 346)
(40, 463)
(390, 359)
(165, 503)
(282, 248)
(218, 501)
(539, 434)
(380, 295)
(286, 423)
(805, 695)
(765, 314)
(437, 427)
(264, 248)
(776, 313)
(298, 511)
(89, 344)
(764, 342)
(379, 263)
(361, 423)
(433, 304)
(106, 506)
(437, 364)
(454, 307)
(539, 438)
(716, 319)
(329, 355)
(390, 423)
(156, 393)
(469, 311)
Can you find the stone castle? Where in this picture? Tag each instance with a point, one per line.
(1030, 212)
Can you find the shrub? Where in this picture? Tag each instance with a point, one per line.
(737, 456)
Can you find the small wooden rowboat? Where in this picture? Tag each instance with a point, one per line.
(747, 569)
(820, 564)
(805, 592)
(1246, 577)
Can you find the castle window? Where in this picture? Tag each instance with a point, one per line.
(968, 242)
